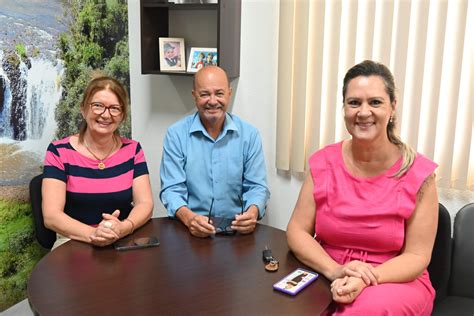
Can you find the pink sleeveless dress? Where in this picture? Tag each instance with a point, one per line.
(364, 219)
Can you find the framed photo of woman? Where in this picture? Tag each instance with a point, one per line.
(172, 54)
(200, 57)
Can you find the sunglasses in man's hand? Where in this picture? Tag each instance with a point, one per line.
(222, 224)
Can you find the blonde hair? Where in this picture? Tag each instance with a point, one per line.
(370, 68)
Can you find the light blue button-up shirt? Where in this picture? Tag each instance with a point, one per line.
(196, 169)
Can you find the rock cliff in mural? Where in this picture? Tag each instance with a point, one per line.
(14, 119)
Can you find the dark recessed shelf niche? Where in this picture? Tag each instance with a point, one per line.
(201, 25)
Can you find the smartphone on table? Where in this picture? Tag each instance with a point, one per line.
(294, 282)
(136, 243)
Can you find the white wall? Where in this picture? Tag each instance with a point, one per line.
(158, 101)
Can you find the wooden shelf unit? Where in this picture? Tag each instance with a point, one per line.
(201, 25)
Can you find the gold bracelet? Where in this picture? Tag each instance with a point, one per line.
(133, 225)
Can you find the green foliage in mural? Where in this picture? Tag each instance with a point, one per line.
(19, 251)
(21, 50)
(97, 39)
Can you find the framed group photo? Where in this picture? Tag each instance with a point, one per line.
(200, 57)
(172, 57)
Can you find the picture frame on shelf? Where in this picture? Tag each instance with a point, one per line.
(172, 58)
(200, 57)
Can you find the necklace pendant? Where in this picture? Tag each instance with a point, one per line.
(101, 165)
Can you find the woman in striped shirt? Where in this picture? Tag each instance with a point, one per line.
(96, 187)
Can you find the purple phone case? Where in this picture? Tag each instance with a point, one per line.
(301, 284)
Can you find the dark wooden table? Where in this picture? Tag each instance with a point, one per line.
(223, 275)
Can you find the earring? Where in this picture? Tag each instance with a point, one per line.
(391, 119)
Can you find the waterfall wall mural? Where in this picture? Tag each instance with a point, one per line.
(47, 54)
(30, 85)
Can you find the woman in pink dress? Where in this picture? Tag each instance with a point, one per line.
(367, 213)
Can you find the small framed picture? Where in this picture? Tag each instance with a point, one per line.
(200, 57)
(172, 54)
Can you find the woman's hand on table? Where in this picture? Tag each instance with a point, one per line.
(122, 228)
(109, 230)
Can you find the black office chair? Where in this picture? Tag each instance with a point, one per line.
(460, 296)
(45, 236)
(440, 265)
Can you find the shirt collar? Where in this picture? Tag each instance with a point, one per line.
(229, 125)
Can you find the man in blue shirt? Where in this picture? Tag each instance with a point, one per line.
(213, 159)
